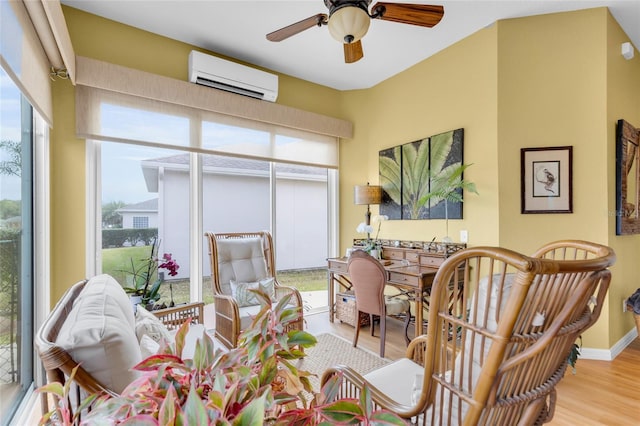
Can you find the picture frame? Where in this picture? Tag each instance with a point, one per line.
(627, 178)
(546, 180)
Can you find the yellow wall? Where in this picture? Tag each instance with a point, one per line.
(454, 89)
(546, 80)
(539, 81)
(622, 102)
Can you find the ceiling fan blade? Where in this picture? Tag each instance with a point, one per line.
(293, 29)
(353, 52)
(415, 14)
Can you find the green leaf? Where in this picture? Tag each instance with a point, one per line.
(167, 413)
(153, 362)
(302, 338)
(252, 414)
(386, 418)
(343, 411)
(365, 401)
(193, 412)
(54, 388)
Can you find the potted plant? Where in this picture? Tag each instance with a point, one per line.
(633, 305)
(253, 384)
(144, 280)
(447, 185)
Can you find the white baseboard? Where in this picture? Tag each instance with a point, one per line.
(614, 351)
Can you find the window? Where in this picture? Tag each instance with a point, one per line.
(208, 170)
(237, 194)
(140, 222)
(16, 248)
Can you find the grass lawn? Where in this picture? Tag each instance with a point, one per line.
(117, 261)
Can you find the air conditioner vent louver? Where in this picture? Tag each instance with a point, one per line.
(229, 88)
(225, 75)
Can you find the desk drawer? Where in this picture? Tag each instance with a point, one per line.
(338, 267)
(431, 262)
(412, 257)
(400, 278)
(393, 254)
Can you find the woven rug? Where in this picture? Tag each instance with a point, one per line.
(333, 350)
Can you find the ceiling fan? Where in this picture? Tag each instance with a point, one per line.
(348, 21)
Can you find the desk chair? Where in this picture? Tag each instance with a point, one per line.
(369, 279)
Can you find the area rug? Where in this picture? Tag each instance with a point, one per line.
(333, 350)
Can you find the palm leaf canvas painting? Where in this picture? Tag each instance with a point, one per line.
(409, 173)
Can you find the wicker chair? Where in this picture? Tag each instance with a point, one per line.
(58, 362)
(242, 257)
(494, 355)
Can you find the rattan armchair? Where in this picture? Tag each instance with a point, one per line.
(59, 363)
(501, 327)
(243, 257)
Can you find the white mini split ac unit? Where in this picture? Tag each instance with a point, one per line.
(218, 73)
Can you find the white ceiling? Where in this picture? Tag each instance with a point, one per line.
(237, 29)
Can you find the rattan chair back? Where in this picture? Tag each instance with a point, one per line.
(227, 312)
(500, 328)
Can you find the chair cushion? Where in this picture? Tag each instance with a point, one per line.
(387, 380)
(242, 260)
(149, 347)
(395, 305)
(150, 325)
(99, 333)
(244, 297)
(247, 314)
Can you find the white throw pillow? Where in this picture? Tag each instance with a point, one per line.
(98, 333)
(241, 294)
(150, 325)
(148, 346)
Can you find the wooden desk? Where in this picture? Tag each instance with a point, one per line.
(414, 280)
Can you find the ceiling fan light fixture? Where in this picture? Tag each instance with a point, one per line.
(349, 24)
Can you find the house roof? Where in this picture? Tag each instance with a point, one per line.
(218, 164)
(149, 205)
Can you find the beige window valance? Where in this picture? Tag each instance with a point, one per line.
(198, 118)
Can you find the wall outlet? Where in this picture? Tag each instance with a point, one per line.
(464, 236)
(624, 305)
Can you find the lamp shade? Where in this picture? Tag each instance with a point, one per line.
(349, 24)
(367, 194)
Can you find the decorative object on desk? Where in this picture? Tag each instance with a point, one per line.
(627, 179)
(364, 228)
(367, 194)
(144, 279)
(447, 187)
(546, 179)
(405, 172)
(432, 247)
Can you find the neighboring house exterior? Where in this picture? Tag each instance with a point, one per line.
(236, 198)
(140, 215)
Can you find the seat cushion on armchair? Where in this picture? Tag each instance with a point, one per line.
(99, 333)
(386, 379)
(241, 260)
(244, 297)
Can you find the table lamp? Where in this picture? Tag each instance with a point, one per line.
(367, 194)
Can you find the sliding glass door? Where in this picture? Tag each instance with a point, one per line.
(16, 247)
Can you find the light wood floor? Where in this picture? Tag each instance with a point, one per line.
(600, 393)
